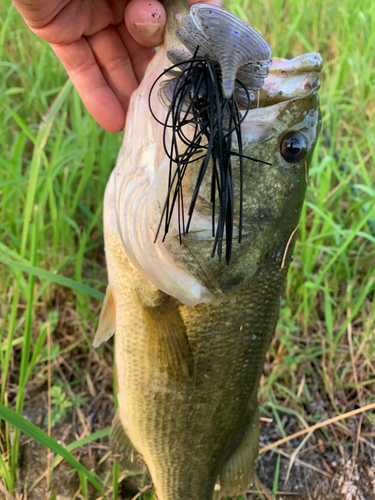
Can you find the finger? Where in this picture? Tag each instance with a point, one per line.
(96, 95)
(115, 63)
(145, 21)
(140, 56)
(38, 13)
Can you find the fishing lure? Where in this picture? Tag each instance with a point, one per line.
(221, 63)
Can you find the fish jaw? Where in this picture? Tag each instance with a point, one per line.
(291, 79)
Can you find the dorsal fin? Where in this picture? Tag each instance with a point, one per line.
(107, 319)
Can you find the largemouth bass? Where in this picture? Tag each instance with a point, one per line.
(191, 331)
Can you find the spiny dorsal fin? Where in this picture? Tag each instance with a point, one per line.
(125, 453)
(107, 319)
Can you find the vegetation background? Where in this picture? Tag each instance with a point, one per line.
(54, 165)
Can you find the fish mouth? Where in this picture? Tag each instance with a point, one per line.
(290, 79)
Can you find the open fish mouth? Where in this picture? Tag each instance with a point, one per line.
(291, 79)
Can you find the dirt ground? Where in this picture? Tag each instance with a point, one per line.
(318, 472)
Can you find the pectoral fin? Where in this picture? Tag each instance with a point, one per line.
(169, 347)
(237, 473)
(107, 319)
(125, 453)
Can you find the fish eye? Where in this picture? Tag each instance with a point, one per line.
(294, 147)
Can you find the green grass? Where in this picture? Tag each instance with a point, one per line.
(54, 165)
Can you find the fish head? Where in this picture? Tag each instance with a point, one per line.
(281, 128)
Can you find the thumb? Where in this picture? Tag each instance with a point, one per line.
(145, 21)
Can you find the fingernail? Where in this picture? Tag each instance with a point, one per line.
(148, 29)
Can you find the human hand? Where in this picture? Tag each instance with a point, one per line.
(105, 47)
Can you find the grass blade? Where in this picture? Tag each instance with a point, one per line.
(43, 439)
(54, 278)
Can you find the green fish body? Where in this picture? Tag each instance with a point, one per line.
(192, 332)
